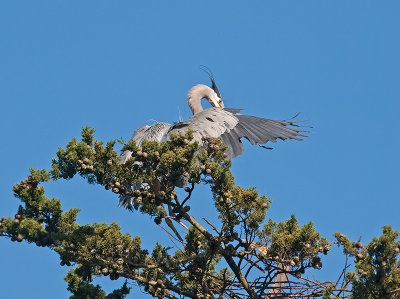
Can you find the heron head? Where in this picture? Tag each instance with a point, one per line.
(215, 98)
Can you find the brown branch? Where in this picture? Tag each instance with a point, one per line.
(253, 264)
(172, 236)
(197, 225)
(279, 282)
(169, 287)
(210, 224)
(228, 258)
(189, 195)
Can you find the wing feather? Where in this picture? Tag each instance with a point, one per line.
(270, 129)
(212, 122)
(153, 133)
(229, 125)
(232, 140)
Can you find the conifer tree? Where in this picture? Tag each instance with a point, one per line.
(241, 256)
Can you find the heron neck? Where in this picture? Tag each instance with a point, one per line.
(196, 94)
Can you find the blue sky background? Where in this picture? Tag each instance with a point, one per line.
(117, 65)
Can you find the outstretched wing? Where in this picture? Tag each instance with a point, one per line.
(152, 133)
(229, 125)
(258, 130)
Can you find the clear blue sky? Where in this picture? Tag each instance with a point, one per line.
(117, 65)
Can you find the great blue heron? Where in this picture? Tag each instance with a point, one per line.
(225, 123)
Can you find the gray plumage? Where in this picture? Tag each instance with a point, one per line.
(231, 126)
(150, 133)
(225, 123)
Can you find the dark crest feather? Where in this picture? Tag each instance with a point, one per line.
(211, 76)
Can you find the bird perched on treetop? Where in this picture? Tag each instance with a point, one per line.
(225, 123)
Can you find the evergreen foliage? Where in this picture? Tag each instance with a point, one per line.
(242, 256)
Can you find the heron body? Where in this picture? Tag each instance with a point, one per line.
(225, 123)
